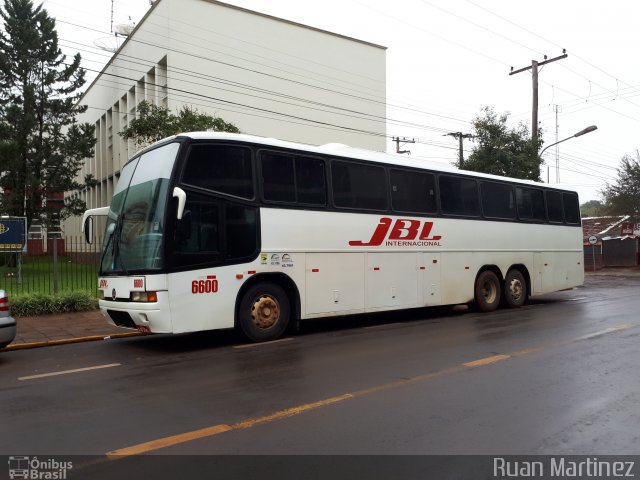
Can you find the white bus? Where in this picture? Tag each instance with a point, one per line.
(214, 230)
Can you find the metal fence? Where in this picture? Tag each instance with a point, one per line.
(51, 267)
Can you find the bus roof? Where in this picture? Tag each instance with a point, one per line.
(341, 150)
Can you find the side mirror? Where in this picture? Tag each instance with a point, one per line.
(87, 222)
(182, 199)
(88, 230)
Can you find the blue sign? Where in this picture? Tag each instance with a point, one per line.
(13, 234)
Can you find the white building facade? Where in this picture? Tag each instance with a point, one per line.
(268, 76)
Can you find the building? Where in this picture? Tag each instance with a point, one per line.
(268, 76)
(617, 242)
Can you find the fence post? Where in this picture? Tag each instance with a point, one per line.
(55, 266)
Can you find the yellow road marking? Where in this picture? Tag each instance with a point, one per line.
(169, 441)
(289, 412)
(65, 372)
(218, 429)
(617, 328)
(486, 361)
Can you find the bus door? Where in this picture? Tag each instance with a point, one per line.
(429, 267)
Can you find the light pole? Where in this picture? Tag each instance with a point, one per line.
(581, 132)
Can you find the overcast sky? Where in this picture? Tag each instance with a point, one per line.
(447, 59)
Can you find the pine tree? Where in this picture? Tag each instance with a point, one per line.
(42, 147)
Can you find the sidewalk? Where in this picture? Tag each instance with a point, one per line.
(72, 327)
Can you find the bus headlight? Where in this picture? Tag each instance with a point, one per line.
(144, 296)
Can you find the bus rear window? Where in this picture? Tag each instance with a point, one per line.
(571, 208)
(554, 206)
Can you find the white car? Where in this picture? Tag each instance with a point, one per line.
(7, 322)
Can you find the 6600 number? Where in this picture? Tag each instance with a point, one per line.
(204, 286)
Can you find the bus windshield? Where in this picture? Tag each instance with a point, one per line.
(134, 230)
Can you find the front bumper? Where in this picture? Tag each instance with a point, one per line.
(152, 317)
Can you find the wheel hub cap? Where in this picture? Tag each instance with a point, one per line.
(265, 312)
(515, 288)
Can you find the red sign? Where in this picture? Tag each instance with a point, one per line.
(627, 229)
(404, 232)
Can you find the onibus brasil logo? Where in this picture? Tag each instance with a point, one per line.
(33, 468)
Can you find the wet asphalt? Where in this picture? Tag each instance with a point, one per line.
(558, 376)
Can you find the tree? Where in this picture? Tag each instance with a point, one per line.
(42, 147)
(592, 208)
(502, 150)
(155, 123)
(623, 197)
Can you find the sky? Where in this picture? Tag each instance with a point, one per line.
(447, 59)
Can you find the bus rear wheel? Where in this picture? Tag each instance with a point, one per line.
(515, 289)
(487, 291)
(264, 312)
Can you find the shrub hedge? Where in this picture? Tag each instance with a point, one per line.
(31, 304)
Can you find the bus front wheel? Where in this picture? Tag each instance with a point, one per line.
(264, 312)
(515, 289)
(487, 291)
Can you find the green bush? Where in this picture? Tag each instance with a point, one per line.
(31, 304)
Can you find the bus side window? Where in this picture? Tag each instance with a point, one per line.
(220, 168)
(278, 184)
(459, 196)
(202, 221)
(310, 181)
(554, 206)
(413, 192)
(299, 180)
(241, 231)
(359, 186)
(497, 200)
(530, 202)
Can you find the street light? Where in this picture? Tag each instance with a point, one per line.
(581, 132)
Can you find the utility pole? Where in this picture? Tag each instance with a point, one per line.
(404, 142)
(557, 109)
(534, 78)
(460, 136)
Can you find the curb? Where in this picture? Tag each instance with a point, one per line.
(64, 341)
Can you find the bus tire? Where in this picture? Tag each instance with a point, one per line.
(264, 312)
(515, 289)
(487, 291)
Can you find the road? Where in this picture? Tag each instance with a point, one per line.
(558, 376)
